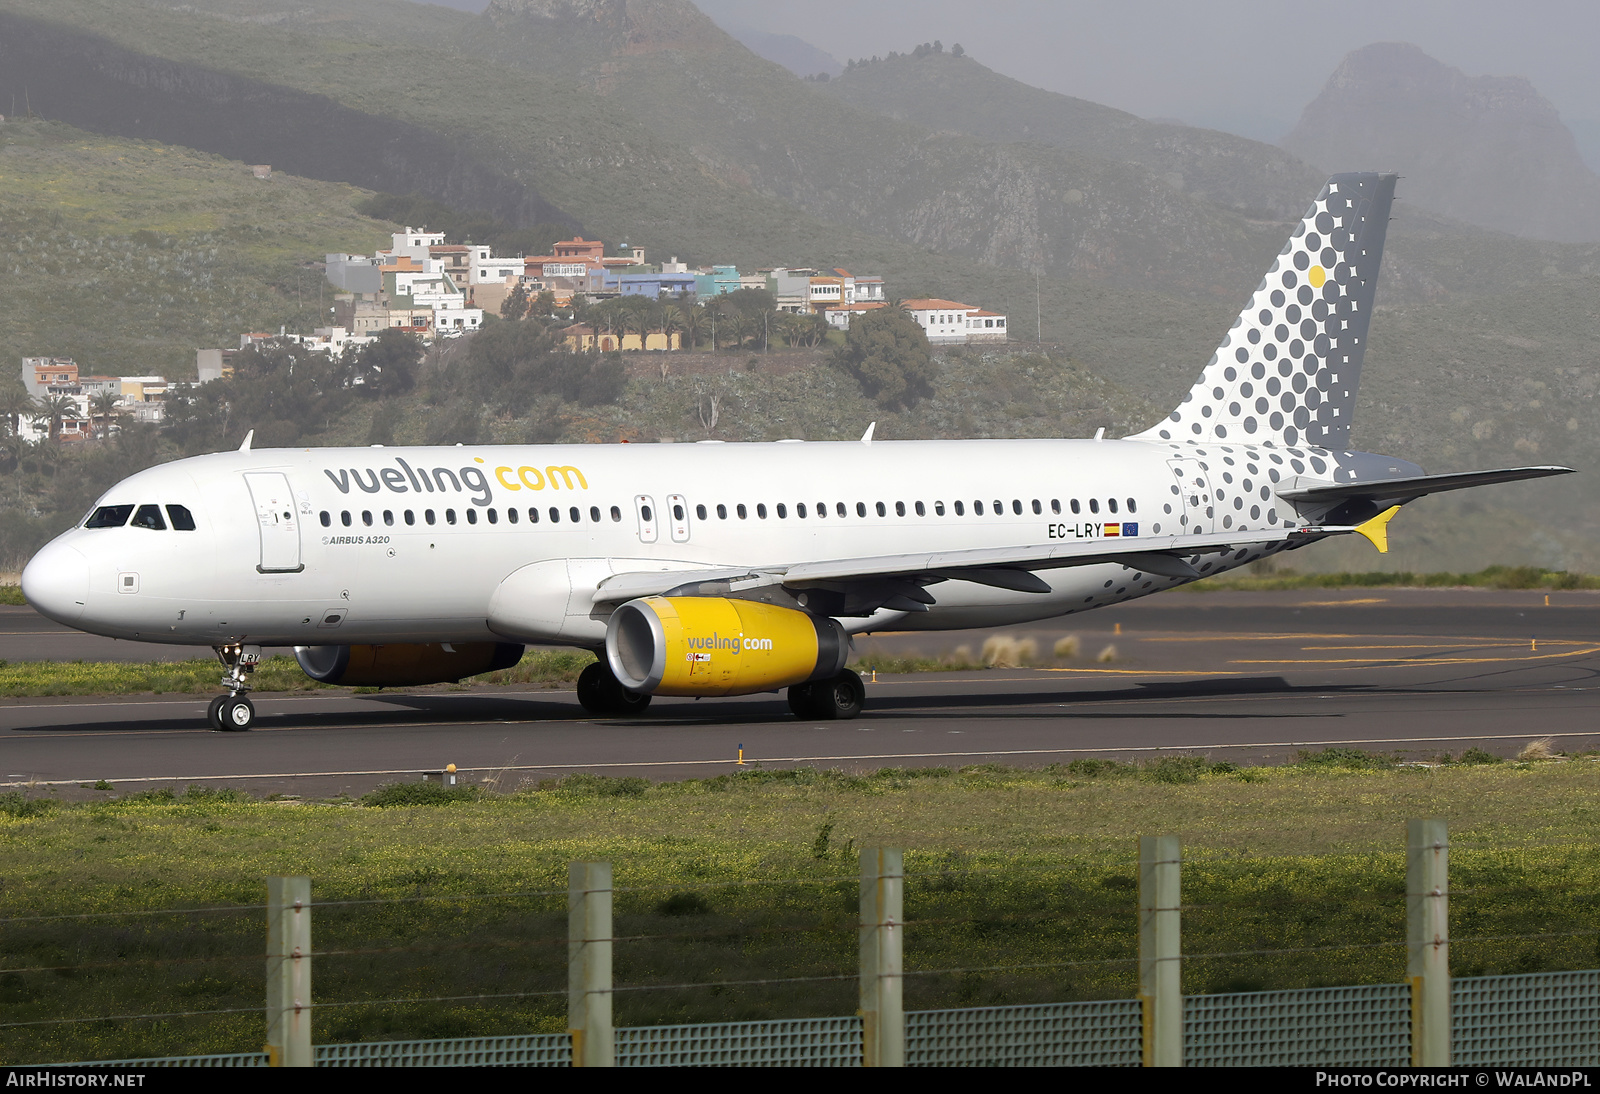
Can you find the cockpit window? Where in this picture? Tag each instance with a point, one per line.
(149, 516)
(109, 516)
(183, 520)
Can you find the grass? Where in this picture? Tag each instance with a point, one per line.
(752, 876)
(280, 673)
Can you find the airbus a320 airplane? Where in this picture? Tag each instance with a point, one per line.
(730, 569)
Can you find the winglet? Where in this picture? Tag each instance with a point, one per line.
(1376, 530)
(866, 438)
(248, 437)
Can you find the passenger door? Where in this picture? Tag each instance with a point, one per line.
(276, 521)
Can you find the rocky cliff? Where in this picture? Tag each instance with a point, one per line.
(1485, 149)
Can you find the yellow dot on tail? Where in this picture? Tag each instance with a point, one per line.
(1317, 276)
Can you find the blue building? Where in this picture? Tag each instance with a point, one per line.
(652, 284)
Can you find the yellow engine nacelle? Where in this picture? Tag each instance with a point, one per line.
(401, 664)
(691, 645)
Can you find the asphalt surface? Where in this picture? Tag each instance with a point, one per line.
(1251, 677)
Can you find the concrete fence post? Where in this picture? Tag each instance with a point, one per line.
(883, 1016)
(289, 972)
(1160, 954)
(1428, 940)
(589, 964)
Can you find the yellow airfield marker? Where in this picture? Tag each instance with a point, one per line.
(740, 762)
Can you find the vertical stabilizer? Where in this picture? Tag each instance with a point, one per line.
(1288, 371)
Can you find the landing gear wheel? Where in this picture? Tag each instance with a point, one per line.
(601, 692)
(802, 703)
(841, 698)
(238, 714)
(214, 713)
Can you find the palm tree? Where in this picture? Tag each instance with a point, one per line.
(694, 324)
(671, 320)
(738, 324)
(53, 408)
(103, 408)
(15, 404)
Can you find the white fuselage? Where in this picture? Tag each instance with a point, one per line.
(374, 545)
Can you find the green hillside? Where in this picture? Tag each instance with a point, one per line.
(128, 256)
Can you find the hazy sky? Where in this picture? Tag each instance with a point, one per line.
(1244, 65)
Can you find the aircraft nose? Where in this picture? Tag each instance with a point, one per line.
(56, 583)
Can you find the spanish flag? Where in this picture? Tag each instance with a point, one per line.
(1113, 530)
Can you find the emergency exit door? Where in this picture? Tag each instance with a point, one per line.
(275, 518)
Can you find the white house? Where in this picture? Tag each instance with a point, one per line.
(947, 322)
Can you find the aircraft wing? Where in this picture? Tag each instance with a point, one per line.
(1399, 491)
(1000, 567)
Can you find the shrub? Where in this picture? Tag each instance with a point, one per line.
(419, 793)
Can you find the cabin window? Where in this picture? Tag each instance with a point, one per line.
(800, 510)
(1112, 504)
(1037, 508)
(616, 515)
(427, 515)
(783, 511)
(388, 517)
(594, 513)
(326, 518)
(493, 515)
(722, 511)
(977, 508)
(700, 512)
(899, 508)
(1055, 506)
(938, 508)
(1016, 506)
(922, 510)
(183, 520)
(961, 509)
(149, 516)
(644, 514)
(677, 511)
(533, 515)
(1132, 508)
(761, 510)
(112, 516)
(1075, 508)
(882, 511)
(366, 517)
(449, 516)
(999, 508)
(511, 516)
(1094, 505)
(839, 508)
(576, 516)
(344, 518)
(742, 511)
(411, 518)
(472, 516)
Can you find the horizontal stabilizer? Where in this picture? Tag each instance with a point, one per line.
(1421, 486)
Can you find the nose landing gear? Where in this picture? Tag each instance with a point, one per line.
(234, 712)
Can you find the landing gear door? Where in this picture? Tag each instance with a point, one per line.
(1192, 499)
(276, 521)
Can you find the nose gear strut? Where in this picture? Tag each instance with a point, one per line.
(234, 712)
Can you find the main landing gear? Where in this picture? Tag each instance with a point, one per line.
(233, 712)
(601, 692)
(838, 699)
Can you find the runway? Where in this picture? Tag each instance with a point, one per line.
(1249, 677)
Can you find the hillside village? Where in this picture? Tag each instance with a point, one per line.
(432, 289)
